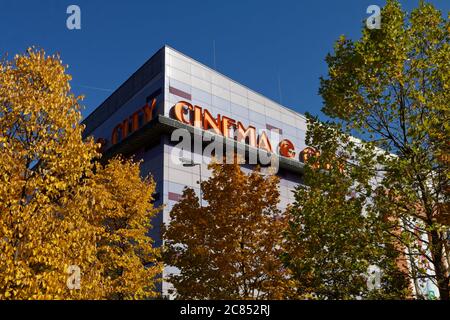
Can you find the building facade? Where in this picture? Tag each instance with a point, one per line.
(172, 91)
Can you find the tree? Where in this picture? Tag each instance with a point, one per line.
(229, 248)
(58, 206)
(333, 238)
(391, 87)
(118, 202)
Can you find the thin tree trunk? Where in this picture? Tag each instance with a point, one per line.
(440, 269)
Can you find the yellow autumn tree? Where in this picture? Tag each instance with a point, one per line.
(59, 208)
(229, 248)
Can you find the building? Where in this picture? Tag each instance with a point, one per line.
(172, 91)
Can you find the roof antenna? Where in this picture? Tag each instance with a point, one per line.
(214, 54)
(279, 89)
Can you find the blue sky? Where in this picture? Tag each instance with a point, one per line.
(257, 42)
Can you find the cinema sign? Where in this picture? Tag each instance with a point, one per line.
(201, 118)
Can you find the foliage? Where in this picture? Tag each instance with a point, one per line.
(229, 248)
(391, 87)
(58, 207)
(333, 238)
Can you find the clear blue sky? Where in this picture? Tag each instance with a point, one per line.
(255, 40)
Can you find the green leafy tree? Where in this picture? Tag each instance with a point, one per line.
(333, 237)
(391, 87)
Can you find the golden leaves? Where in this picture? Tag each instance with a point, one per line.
(55, 209)
(228, 249)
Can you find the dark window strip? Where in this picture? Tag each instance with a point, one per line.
(180, 93)
(174, 196)
(270, 127)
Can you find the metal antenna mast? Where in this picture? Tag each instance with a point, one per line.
(279, 89)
